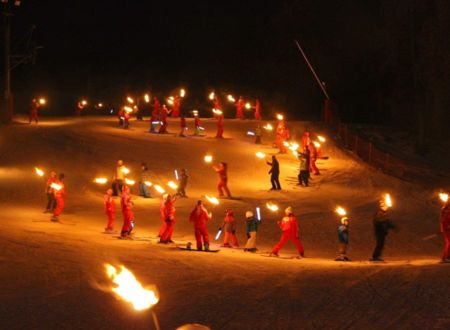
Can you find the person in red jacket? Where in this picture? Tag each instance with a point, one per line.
(240, 108)
(163, 113)
(216, 103)
(445, 230)
(257, 110)
(183, 126)
(127, 213)
(313, 154)
(289, 228)
(154, 119)
(51, 203)
(34, 111)
(229, 230)
(220, 125)
(306, 140)
(167, 211)
(200, 217)
(176, 107)
(59, 192)
(196, 125)
(282, 135)
(110, 210)
(222, 170)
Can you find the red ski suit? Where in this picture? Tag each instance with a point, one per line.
(229, 230)
(155, 110)
(59, 198)
(257, 110)
(167, 211)
(163, 119)
(445, 230)
(306, 141)
(289, 230)
(176, 108)
(200, 217)
(282, 135)
(240, 108)
(110, 211)
(219, 126)
(216, 103)
(34, 113)
(223, 181)
(312, 159)
(127, 213)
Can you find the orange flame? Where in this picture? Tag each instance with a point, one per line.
(100, 180)
(341, 211)
(272, 207)
(39, 171)
(212, 200)
(443, 197)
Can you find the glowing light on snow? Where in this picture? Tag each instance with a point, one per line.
(341, 211)
(159, 189)
(250, 133)
(129, 182)
(42, 101)
(125, 170)
(130, 99)
(171, 100)
(55, 186)
(260, 155)
(272, 207)
(316, 144)
(286, 144)
(321, 138)
(182, 92)
(258, 213)
(211, 96)
(212, 200)
(280, 116)
(147, 98)
(248, 106)
(172, 185)
(268, 127)
(39, 171)
(443, 197)
(388, 200)
(148, 183)
(293, 146)
(100, 180)
(295, 153)
(218, 234)
(231, 98)
(208, 158)
(128, 288)
(217, 111)
(128, 109)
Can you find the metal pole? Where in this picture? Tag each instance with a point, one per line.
(8, 114)
(312, 70)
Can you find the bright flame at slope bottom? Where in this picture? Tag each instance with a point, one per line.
(129, 289)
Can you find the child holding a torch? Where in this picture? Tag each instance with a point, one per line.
(229, 229)
(251, 227)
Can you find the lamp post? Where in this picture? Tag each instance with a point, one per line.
(6, 12)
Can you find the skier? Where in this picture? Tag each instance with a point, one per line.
(220, 125)
(216, 103)
(154, 119)
(126, 119)
(282, 135)
(303, 176)
(196, 125)
(183, 126)
(34, 111)
(251, 227)
(445, 230)
(258, 134)
(121, 116)
(110, 210)
(143, 189)
(127, 213)
(163, 113)
(312, 160)
(119, 177)
(176, 107)
(200, 217)
(289, 228)
(51, 203)
(222, 170)
(274, 173)
(240, 108)
(229, 229)
(182, 183)
(257, 110)
(306, 140)
(168, 217)
(343, 240)
(381, 225)
(59, 195)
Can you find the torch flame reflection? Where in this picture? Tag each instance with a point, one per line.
(159, 189)
(129, 289)
(261, 155)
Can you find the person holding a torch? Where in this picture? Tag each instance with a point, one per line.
(183, 126)
(176, 107)
(143, 188)
(168, 217)
(196, 124)
(381, 225)
(445, 228)
(119, 178)
(127, 213)
(343, 239)
(257, 110)
(220, 125)
(51, 203)
(222, 185)
(289, 232)
(229, 229)
(110, 210)
(59, 192)
(34, 111)
(200, 217)
(274, 173)
(240, 108)
(182, 183)
(313, 158)
(251, 227)
(163, 113)
(303, 176)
